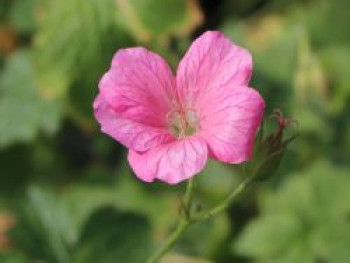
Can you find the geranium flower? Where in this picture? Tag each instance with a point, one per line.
(171, 125)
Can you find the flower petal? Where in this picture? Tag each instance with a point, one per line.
(139, 86)
(211, 62)
(229, 120)
(172, 162)
(136, 136)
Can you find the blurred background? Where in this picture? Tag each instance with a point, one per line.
(66, 191)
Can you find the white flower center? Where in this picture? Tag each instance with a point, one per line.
(183, 123)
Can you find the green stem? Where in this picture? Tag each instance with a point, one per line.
(182, 225)
(223, 205)
(187, 219)
(188, 195)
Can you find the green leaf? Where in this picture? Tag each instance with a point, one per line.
(22, 16)
(268, 38)
(338, 249)
(335, 60)
(269, 236)
(325, 27)
(14, 257)
(304, 221)
(24, 111)
(216, 180)
(76, 40)
(14, 177)
(73, 228)
(205, 238)
(44, 230)
(311, 121)
(110, 235)
(152, 19)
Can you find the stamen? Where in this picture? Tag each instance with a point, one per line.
(183, 123)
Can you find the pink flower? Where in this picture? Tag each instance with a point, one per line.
(171, 125)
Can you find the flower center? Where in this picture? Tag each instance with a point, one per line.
(184, 123)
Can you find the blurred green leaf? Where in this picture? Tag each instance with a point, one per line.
(177, 258)
(216, 180)
(24, 111)
(4, 6)
(268, 237)
(76, 40)
(14, 257)
(205, 238)
(22, 16)
(64, 228)
(306, 220)
(14, 177)
(311, 121)
(110, 235)
(310, 83)
(335, 60)
(44, 230)
(127, 193)
(152, 20)
(325, 27)
(269, 38)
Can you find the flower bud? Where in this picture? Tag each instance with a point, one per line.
(273, 147)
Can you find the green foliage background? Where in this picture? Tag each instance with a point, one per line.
(66, 191)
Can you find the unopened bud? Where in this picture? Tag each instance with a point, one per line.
(273, 147)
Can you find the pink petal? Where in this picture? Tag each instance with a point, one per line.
(229, 120)
(211, 62)
(134, 135)
(172, 162)
(139, 86)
